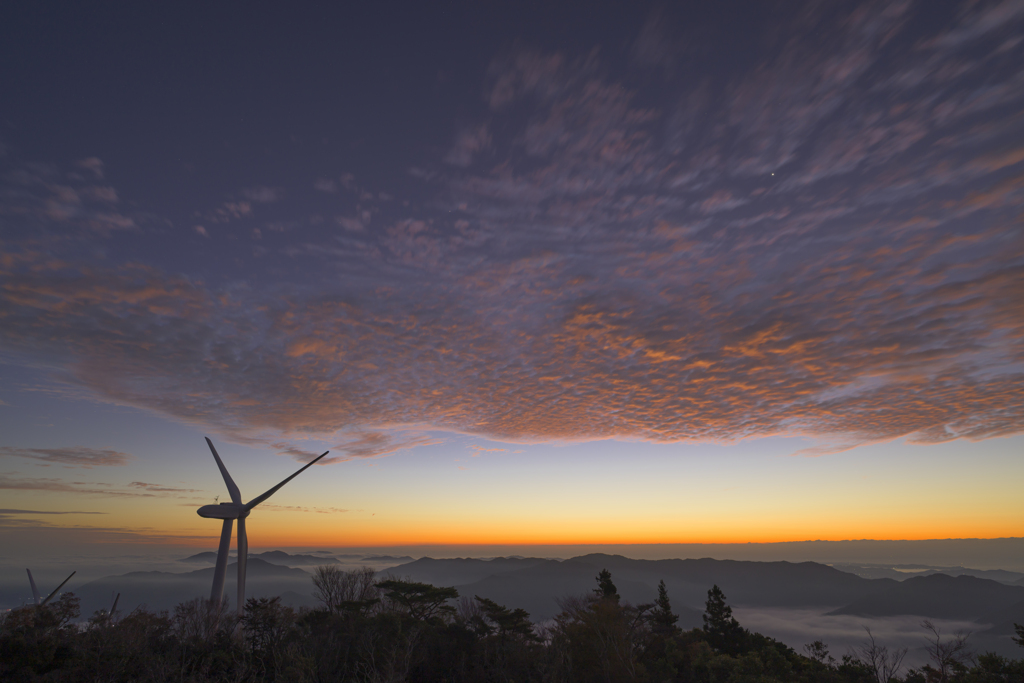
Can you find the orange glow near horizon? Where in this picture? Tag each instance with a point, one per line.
(266, 534)
(605, 493)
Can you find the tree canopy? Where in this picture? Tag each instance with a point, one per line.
(404, 631)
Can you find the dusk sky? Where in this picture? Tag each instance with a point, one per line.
(532, 272)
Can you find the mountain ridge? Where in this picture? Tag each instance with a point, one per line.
(937, 596)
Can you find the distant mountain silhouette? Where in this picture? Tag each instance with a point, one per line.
(386, 558)
(163, 590)
(274, 556)
(535, 584)
(283, 558)
(459, 570)
(209, 557)
(537, 589)
(902, 572)
(760, 584)
(1000, 575)
(938, 596)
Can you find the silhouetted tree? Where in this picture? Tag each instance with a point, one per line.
(413, 636)
(950, 657)
(605, 588)
(206, 644)
(339, 590)
(595, 638)
(883, 663)
(265, 624)
(507, 624)
(420, 600)
(663, 620)
(38, 640)
(723, 632)
(139, 646)
(992, 668)
(507, 638)
(818, 651)
(200, 619)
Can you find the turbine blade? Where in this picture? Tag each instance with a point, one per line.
(217, 593)
(113, 607)
(35, 591)
(236, 496)
(50, 596)
(243, 557)
(259, 499)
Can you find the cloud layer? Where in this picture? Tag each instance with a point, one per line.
(824, 241)
(79, 456)
(136, 489)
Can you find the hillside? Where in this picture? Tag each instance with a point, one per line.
(163, 590)
(937, 596)
(460, 570)
(274, 556)
(536, 584)
(762, 584)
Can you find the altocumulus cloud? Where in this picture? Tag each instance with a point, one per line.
(59, 486)
(159, 488)
(78, 456)
(826, 244)
(136, 489)
(11, 512)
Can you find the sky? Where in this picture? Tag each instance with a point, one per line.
(641, 274)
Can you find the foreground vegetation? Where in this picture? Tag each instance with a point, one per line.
(392, 631)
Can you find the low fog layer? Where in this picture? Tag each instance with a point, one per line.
(50, 571)
(985, 554)
(844, 633)
(866, 558)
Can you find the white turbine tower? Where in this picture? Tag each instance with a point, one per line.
(230, 512)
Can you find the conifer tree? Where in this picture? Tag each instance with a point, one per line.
(663, 620)
(723, 632)
(605, 588)
(421, 600)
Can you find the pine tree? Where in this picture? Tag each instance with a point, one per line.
(723, 632)
(422, 601)
(663, 621)
(605, 588)
(508, 623)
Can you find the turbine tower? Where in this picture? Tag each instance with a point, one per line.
(229, 512)
(36, 599)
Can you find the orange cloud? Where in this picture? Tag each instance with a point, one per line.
(677, 367)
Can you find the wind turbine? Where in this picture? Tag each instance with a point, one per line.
(229, 512)
(35, 591)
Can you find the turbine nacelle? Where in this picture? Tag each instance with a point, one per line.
(223, 511)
